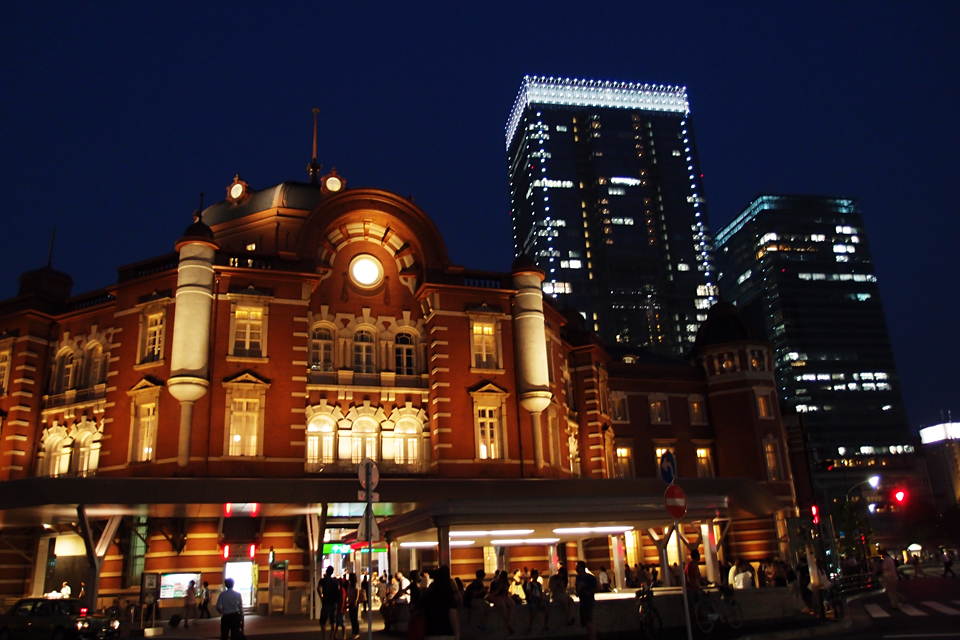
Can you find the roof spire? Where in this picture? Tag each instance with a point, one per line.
(53, 235)
(313, 168)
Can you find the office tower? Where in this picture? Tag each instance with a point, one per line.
(799, 269)
(607, 197)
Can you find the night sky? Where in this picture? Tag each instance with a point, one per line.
(113, 120)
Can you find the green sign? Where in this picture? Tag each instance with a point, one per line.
(334, 547)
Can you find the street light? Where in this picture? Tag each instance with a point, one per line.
(873, 481)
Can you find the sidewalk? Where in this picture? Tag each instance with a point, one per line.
(279, 625)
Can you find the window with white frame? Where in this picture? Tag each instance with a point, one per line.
(704, 463)
(321, 349)
(364, 351)
(152, 328)
(144, 420)
(65, 372)
(659, 409)
(86, 450)
(488, 425)
(360, 441)
(484, 339)
(404, 354)
(764, 404)
(618, 407)
(406, 442)
(248, 331)
(145, 439)
(321, 443)
(553, 435)
(95, 365)
(55, 451)
(246, 407)
(4, 369)
(624, 460)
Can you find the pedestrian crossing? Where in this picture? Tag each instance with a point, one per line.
(916, 610)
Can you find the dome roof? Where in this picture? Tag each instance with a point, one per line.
(198, 229)
(724, 324)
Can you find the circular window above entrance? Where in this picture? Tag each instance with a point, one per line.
(366, 271)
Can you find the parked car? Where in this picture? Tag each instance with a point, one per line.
(55, 619)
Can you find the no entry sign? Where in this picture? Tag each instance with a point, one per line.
(675, 500)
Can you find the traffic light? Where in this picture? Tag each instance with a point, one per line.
(900, 496)
(816, 516)
(253, 551)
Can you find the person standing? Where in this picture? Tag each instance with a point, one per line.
(586, 586)
(189, 603)
(230, 606)
(889, 579)
(204, 601)
(440, 608)
(946, 558)
(536, 600)
(329, 591)
(353, 605)
(65, 590)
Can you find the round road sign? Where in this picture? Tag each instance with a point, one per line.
(675, 500)
(374, 474)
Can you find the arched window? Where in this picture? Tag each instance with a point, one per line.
(321, 349)
(406, 442)
(94, 369)
(56, 457)
(404, 354)
(364, 359)
(66, 371)
(321, 443)
(87, 453)
(361, 442)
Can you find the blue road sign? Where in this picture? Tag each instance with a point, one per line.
(668, 467)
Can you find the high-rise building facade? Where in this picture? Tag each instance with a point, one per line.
(799, 269)
(607, 197)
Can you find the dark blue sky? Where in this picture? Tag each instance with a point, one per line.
(114, 118)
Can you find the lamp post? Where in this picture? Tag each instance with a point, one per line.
(874, 482)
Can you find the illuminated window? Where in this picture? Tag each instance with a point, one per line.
(66, 372)
(764, 405)
(704, 463)
(624, 461)
(771, 452)
(406, 442)
(698, 414)
(484, 344)
(364, 357)
(55, 453)
(404, 354)
(86, 449)
(488, 423)
(360, 441)
(248, 332)
(144, 447)
(321, 349)
(320, 443)
(244, 432)
(659, 410)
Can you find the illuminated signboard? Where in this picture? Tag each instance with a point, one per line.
(174, 585)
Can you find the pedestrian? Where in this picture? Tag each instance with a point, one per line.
(204, 600)
(947, 560)
(499, 597)
(691, 573)
(354, 595)
(440, 607)
(516, 587)
(476, 590)
(341, 620)
(604, 580)
(586, 586)
(189, 603)
(889, 579)
(557, 585)
(329, 591)
(917, 569)
(65, 590)
(230, 606)
(536, 599)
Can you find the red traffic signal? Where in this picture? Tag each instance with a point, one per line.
(815, 514)
(900, 496)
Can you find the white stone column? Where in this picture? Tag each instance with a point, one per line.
(530, 344)
(191, 333)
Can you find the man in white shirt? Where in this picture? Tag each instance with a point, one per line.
(889, 579)
(230, 606)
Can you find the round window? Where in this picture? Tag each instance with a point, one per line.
(366, 271)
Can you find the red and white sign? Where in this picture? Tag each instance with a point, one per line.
(675, 500)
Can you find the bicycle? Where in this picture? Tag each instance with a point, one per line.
(650, 623)
(707, 612)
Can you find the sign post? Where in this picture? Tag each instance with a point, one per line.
(369, 477)
(675, 500)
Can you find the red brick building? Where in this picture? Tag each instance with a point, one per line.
(215, 403)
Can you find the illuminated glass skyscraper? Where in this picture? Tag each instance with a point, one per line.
(799, 268)
(607, 197)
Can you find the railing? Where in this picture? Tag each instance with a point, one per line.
(92, 301)
(75, 396)
(350, 467)
(364, 379)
